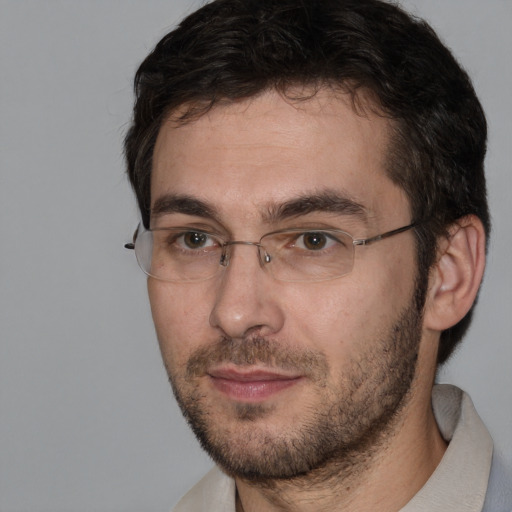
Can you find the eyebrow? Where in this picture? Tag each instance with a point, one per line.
(324, 201)
(188, 205)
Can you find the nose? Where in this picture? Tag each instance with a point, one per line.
(246, 300)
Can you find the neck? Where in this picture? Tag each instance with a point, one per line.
(383, 476)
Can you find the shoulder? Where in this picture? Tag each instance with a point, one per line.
(470, 453)
(215, 492)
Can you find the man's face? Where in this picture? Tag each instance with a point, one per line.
(276, 378)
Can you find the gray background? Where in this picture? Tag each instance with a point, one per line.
(87, 422)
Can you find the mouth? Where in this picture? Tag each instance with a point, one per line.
(251, 385)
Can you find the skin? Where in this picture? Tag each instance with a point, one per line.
(241, 160)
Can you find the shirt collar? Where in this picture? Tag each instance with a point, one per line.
(460, 480)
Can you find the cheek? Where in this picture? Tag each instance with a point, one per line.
(181, 318)
(329, 316)
(336, 317)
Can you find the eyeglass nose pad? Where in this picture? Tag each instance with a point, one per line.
(264, 255)
(224, 257)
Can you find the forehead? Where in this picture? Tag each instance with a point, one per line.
(268, 149)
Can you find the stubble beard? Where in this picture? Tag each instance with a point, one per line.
(334, 436)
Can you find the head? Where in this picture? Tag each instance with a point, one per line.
(388, 63)
(258, 116)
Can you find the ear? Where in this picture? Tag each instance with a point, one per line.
(455, 278)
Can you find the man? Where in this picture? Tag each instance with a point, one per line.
(314, 224)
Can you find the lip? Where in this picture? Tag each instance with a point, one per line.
(251, 385)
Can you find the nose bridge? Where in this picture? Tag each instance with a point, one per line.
(227, 251)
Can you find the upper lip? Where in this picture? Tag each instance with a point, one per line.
(250, 374)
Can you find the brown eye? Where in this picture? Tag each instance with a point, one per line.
(314, 241)
(195, 239)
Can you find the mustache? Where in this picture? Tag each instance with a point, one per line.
(257, 350)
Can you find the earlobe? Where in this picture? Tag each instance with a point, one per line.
(456, 277)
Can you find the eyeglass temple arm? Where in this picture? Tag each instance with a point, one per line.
(368, 241)
(131, 245)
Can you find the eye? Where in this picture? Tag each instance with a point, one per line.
(314, 241)
(195, 240)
